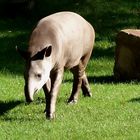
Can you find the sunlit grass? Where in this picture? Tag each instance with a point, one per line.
(112, 113)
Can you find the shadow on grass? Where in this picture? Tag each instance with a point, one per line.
(101, 79)
(108, 79)
(134, 100)
(10, 61)
(100, 52)
(7, 106)
(12, 34)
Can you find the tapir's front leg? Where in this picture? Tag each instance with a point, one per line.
(56, 79)
(47, 88)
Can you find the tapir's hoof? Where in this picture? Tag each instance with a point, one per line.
(27, 103)
(28, 100)
(50, 116)
(89, 94)
(72, 101)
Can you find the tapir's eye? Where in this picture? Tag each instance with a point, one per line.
(38, 76)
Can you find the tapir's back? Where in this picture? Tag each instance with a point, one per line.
(70, 34)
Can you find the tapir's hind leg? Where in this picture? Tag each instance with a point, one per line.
(85, 86)
(77, 73)
(80, 79)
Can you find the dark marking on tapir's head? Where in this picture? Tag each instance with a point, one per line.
(46, 52)
(37, 71)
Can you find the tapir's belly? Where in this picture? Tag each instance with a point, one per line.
(71, 63)
(73, 56)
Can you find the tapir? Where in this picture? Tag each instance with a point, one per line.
(61, 40)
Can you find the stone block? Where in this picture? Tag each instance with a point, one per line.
(127, 55)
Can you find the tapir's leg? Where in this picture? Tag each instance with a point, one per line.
(56, 79)
(78, 73)
(47, 88)
(85, 86)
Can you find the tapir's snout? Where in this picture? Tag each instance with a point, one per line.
(27, 95)
(28, 100)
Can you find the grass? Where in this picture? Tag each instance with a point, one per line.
(113, 111)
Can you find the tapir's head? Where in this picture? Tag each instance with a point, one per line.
(37, 71)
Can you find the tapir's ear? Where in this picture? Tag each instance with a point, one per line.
(48, 51)
(24, 54)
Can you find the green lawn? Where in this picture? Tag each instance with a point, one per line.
(113, 111)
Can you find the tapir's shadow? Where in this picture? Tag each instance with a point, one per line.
(107, 79)
(135, 100)
(102, 79)
(110, 79)
(6, 106)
